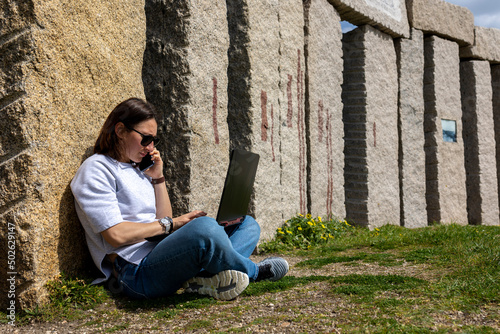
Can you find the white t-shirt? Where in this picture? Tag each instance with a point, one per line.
(108, 192)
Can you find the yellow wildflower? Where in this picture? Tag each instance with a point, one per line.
(299, 228)
(310, 223)
(323, 226)
(289, 232)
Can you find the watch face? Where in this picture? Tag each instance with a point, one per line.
(168, 223)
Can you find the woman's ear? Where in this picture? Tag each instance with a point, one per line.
(120, 130)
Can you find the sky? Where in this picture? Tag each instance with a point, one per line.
(486, 12)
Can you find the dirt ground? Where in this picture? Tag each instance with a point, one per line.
(310, 308)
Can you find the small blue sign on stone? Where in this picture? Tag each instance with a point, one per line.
(449, 130)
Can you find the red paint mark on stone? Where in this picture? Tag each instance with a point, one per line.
(320, 121)
(329, 159)
(374, 134)
(300, 129)
(272, 132)
(214, 110)
(289, 115)
(264, 123)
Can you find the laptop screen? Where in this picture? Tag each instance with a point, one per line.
(238, 187)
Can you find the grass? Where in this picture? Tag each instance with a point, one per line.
(462, 277)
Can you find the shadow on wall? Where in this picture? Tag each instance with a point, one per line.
(72, 251)
(164, 76)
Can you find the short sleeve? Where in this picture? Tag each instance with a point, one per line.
(94, 188)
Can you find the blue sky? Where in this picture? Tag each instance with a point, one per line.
(486, 12)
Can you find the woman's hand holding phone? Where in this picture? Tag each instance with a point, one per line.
(155, 171)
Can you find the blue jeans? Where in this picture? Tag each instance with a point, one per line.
(199, 247)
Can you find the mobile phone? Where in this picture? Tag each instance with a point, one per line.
(146, 163)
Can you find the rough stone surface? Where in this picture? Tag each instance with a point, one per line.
(185, 77)
(445, 172)
(388, 16)
(411, 130)
(443, 19)
(370, 116)
(292, 145)
(486, 45)
(253, 116)
(266, 103)
(64, 66)
(324, 106)
(479, 142)
(495, 79)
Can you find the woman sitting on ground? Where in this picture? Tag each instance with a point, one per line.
(119, 207)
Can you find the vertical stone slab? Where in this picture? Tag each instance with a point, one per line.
(64, 66)
(445, 172)
(253, 95)
(266, 103)
(293, 148)
(185, 77)
(495, 79)
(370, 96)
(410, 54)
(479, 142)
(324, 65)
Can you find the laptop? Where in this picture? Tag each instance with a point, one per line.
(238, 187)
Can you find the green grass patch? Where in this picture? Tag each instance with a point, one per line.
(286, 283)
(117, 328)
(368, 285)
(69, 292)
(320, 262)
(197, 324)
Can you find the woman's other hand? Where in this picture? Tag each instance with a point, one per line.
(186, 218)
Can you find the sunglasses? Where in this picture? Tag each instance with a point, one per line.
(146, 139)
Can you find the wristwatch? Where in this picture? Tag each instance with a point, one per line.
(168, 224)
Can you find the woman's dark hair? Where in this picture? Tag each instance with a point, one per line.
(130, 112)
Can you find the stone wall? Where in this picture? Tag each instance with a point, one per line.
(64, 67)
(185, 78)
(323, 105)
(370, 116)
(410, 53)
(495, 78)
(275, 77)
(479, 142)
(445, 171)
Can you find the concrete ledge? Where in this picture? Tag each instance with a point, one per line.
(387, 16)
(486, 45)
(442, 19)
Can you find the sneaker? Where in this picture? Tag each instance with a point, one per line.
(272, 269)
(226, 285)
